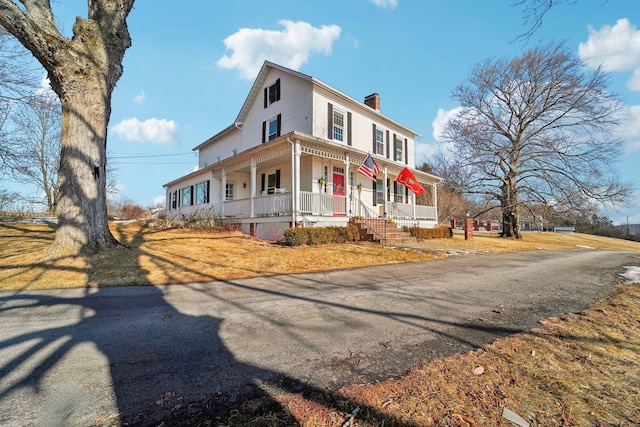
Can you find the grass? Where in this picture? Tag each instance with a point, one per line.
(577, 370)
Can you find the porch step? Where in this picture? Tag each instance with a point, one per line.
(382, 231)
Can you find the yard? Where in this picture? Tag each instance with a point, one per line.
(579, 369)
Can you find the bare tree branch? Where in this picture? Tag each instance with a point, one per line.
(537, 129)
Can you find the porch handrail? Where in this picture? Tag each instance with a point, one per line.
(372, 220)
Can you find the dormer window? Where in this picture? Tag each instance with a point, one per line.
(272, 94)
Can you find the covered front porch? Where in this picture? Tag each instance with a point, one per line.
(299, 180)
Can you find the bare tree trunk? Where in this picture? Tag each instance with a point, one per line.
(509, 202)
(83, 71)
(82, 214)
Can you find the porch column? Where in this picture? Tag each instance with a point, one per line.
(413, 204)
(347, 186)
(295, 180)
(385, 193)
(254, 166)
(435, 200)
(223, 191)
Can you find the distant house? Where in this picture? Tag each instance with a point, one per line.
(291, 157)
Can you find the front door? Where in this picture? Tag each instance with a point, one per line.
(338, 190)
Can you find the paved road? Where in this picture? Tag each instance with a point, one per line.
(81, 357)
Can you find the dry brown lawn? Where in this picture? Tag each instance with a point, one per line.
(577, 370)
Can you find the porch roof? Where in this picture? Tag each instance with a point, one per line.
(310, 145)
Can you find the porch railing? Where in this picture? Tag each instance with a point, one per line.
(403, 210)
(272, 204)
(322, 204)
(237, 208)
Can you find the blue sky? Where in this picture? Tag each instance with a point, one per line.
(190, 68)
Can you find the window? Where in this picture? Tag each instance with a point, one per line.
(398, 192)
(272, 94)
(379, 193)
(271, 128)
(202, 193)
(229, 193)
(174, 200)
(338, 125)
(187, 196)
(397, 149)
(379, 142)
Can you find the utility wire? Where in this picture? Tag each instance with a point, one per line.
(149, 155)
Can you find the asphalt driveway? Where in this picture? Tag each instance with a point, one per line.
(93, 356)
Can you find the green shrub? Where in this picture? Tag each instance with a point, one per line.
(320, 235)
(442, 232)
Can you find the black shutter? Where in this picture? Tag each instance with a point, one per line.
(278, 124)
(406, 152)
(277, 178)
(207, 191)
(330, 121)
(264, 132)
(348, 128)
(375, 192)
(191, 196)
(388, 151)
(179, 198)
(262, 178)
(278, 90)
(395, 144)
(374, 139)
(266, 94)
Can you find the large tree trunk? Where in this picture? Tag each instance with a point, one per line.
(83, 72)
(82, 213)
(509, 202)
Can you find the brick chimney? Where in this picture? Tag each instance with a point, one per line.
(373, 101)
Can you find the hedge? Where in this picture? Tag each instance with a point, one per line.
(442, 232)
(320, 235)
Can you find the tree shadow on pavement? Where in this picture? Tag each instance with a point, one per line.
(126, 356)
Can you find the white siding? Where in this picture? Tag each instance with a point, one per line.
(294, 106)
(221, 149)
(361, 125)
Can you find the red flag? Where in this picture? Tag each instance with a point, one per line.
(407, 178)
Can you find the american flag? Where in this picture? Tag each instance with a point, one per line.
(369, 167)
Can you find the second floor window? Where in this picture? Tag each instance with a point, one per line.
(379, 142)
(338, 126)
(271, 128)
(397, 150)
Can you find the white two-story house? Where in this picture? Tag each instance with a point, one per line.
(290, 159)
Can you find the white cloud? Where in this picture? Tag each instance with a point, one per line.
(157, 131)
(629, 130)
(159, 200)
(139, 98)
(634, 81)
(290, 47)
(616, 47)
(442, 118)
(385, 4)
(44, 88)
